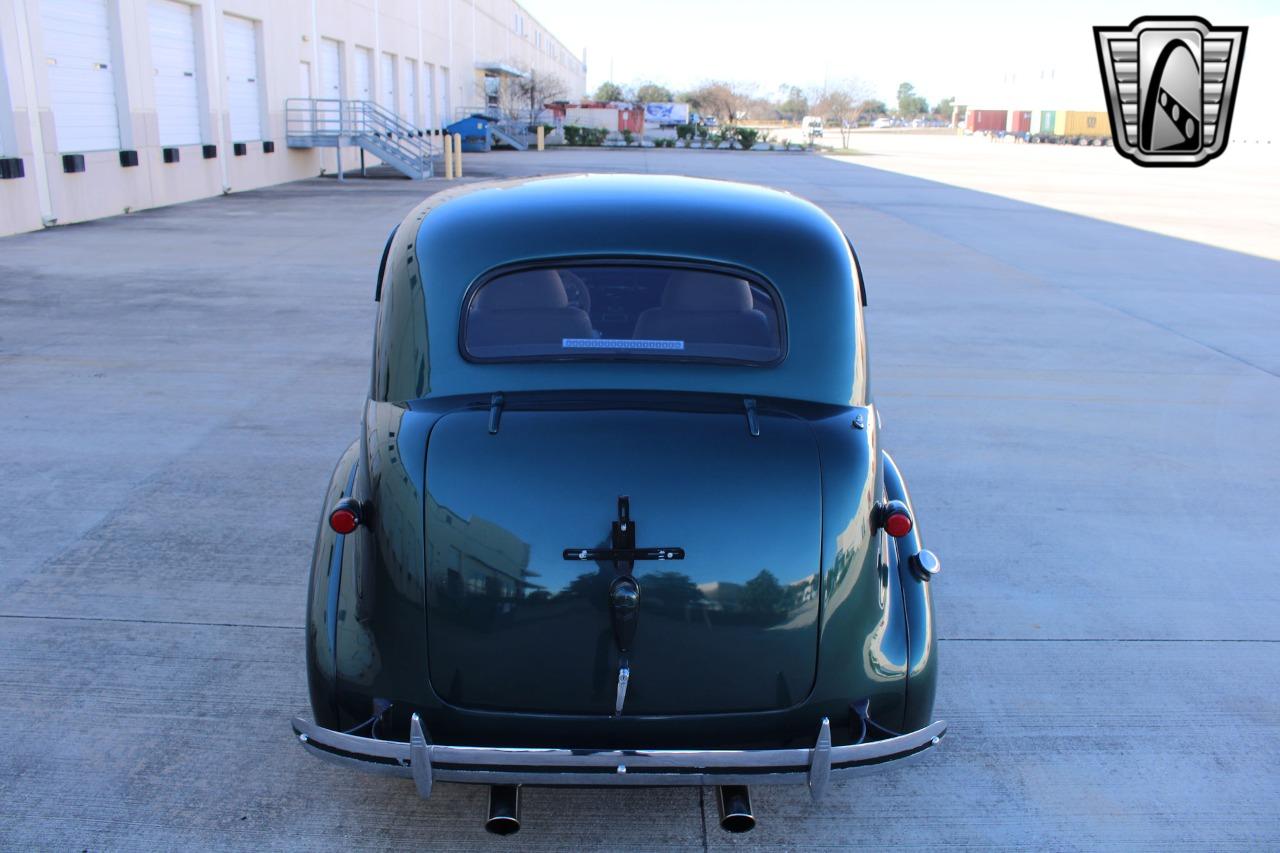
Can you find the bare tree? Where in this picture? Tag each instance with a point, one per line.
(728, 102)
(842, 104)
(530, 92)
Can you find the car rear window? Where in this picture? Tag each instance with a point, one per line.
(623, 311)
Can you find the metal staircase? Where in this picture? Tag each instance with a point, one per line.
(338, 123)
(511, 129)
(509, 139)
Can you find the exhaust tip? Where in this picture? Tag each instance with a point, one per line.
(502, 825)
(734, 802)
(504, 810)
(738, 823)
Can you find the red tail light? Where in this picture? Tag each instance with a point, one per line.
(897, 524)
(344, 518)
(894, 518)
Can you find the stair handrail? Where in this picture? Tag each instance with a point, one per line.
(339, 121)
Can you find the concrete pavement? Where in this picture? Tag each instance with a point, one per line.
(1086, 414)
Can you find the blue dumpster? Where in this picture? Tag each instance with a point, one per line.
(475, 132)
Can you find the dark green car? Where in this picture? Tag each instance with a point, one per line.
(619, 513)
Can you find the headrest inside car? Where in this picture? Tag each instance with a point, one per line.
(523, 290)
(698, 291)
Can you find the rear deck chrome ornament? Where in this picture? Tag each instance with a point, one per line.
(1170, 84)
(624, 676)
(624, 591)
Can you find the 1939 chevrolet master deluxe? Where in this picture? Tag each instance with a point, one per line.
(619, 514)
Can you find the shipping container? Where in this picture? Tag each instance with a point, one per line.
(976, 121)
(605, 118)
(1045, 122)
(632, 120)
(618, 117)
(1089, 124)
(1019, 121)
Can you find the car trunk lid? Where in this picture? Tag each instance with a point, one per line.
(515, 623)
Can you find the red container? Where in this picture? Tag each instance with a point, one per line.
(631, 119)
(1019, 121)
(979, 120)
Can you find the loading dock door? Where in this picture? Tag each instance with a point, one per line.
(244, 91)
(364, 61)
(409, 91)
(430, 116)
(387, 82)
(173, 54)
(446, 102)
(330, 69)
(77, 49)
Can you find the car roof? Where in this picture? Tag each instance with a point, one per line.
(459, 236)
(635, 199)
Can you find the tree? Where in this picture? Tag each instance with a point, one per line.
(609, 91)
(726, 101)
(909, 103)
(944, 108)
(652, 93)
(795, 106)
(874, 107)
(534, 90)
(842, 105)
(906, 98)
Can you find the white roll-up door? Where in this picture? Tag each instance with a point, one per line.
(409, 90)
(387, 82)
(431, 120)
(330, 69)
(8, 142)
(244, 91)
(446, 98)
(173, 54)
(364, 71)
(77, 49)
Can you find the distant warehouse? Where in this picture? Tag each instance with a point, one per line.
(115, 105)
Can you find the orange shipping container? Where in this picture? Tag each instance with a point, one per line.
(1081, 123)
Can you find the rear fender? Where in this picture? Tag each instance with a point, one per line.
(365, 603)
(862, 653)
(917, 601)
(327, 568)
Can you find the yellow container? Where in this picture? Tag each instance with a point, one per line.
(1081, 123)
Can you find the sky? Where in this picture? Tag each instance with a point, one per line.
(974, 51)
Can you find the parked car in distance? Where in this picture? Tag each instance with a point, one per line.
(618, 512)
(882, 122)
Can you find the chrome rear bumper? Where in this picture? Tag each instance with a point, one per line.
(427, 762)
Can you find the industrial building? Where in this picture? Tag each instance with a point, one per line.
(111, 106)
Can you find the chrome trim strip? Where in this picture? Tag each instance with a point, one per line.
(428, 762)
